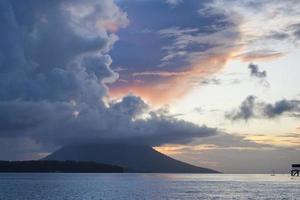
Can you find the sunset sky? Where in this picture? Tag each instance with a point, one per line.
(211, 82)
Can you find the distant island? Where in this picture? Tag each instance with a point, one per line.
(131, 157)
(58, 166)
(104, 158)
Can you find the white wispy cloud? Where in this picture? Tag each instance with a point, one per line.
(264, 25)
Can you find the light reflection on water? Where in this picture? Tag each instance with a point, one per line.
(54, 186)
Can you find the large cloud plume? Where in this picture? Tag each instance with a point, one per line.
(54, 67)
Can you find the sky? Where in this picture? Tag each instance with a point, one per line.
(213, 82)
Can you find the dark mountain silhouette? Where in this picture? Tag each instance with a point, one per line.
(134, 158)
(57, 166)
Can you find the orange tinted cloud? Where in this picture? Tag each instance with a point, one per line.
(171, 85)
(161, 73)
(259, 55)
(285, 140)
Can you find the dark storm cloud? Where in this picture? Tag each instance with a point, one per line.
(54, 67)
(47, 55)
(168, 130)
(51, 59)
(251, 108)
(255, 72)
(118, 123)
(16, 117)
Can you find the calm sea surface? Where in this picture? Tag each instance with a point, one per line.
(57, 186)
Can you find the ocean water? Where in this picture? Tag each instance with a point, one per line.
(56, 186)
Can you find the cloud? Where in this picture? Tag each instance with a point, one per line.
(20, 148)
(245, 111)
(254, 71)
(281, 107)
(265, 24)
(174, 2)
(54, 71)
(259, 55)
(137, 123)
(247, 160)
(221, 141)
(184, 39)
(51, 57)
(198, 37)
(259, 75)
(251, 108)
(161, 73)
(183, 46)
(211, 81)
(162, 129)
(17, 117)
(55, 123)
(277, 35)
(226, 147)
(42, 64)
(295, 30)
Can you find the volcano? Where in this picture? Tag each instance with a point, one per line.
(132, 157)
